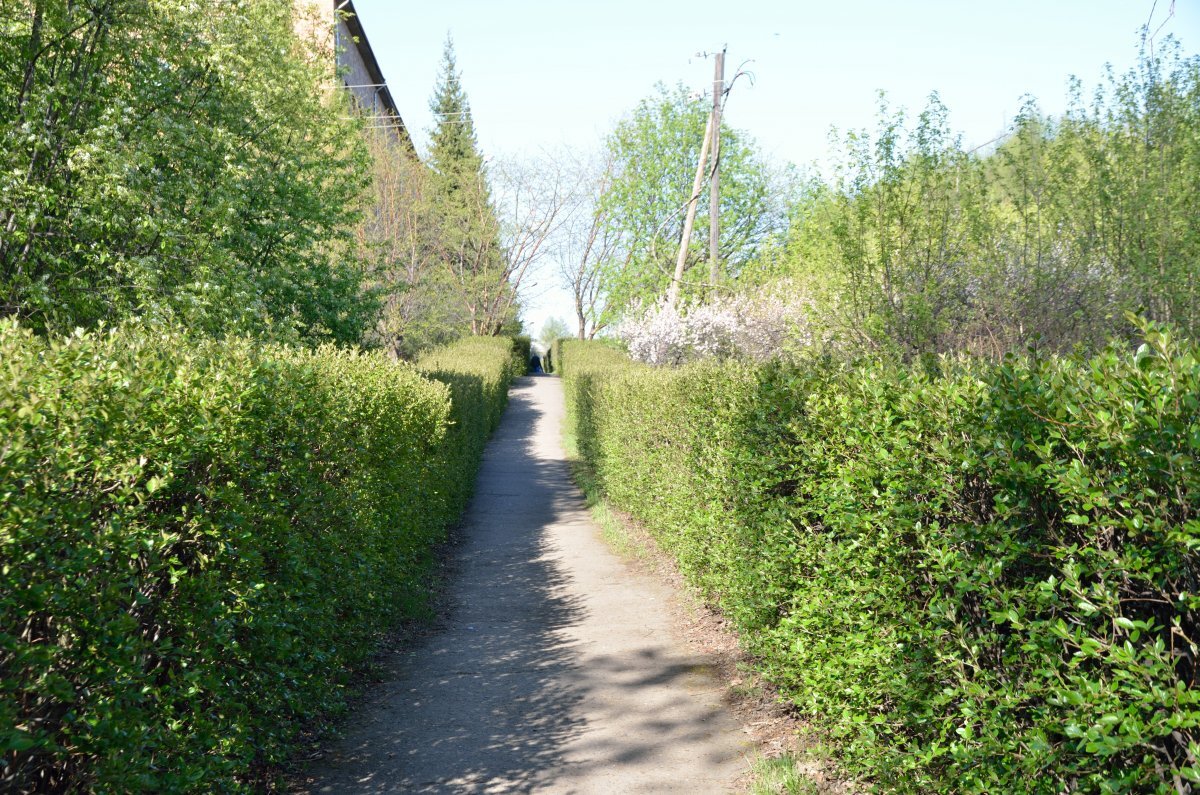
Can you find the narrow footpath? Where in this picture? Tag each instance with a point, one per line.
(559, 669)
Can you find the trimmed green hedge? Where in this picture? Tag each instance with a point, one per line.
(523, 349)
(550, 360)
(199, 540)
(984, 581)
(478, 372)
(581, 364)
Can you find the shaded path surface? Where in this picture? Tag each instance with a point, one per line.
(558, 670)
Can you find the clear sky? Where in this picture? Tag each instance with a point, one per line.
(541, 74)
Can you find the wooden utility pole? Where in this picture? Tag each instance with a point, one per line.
(690, 219)
(714, 187)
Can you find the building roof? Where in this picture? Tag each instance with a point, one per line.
(360, 42)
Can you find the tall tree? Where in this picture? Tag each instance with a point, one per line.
(468, 230)
(654, 153)
(399, 237)
(555, 328)
(538, 199)
(587, 249)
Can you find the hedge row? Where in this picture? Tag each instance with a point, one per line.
(477, 371)
(523, 348)
(981, 581)
(199, 539)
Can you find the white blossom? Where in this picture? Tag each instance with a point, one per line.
(756, 327)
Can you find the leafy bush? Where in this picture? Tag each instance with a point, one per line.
(523, 349)
(556, 353)
(919, 242)
(979, 581)
(582, 364)
(199, 539)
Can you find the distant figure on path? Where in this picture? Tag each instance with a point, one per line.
(535, 364)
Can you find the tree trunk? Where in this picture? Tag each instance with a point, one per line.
(690, 221)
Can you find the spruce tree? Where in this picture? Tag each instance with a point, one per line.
(469, 230)
(454, 152)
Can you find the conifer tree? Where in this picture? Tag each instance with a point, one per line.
(454, 151)
(469, 230)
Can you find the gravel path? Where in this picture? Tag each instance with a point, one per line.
(559, 670)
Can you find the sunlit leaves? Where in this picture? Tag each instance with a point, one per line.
(654, 153)
(200, 540)
(1044, 237)
(175, 160)
(978, 581)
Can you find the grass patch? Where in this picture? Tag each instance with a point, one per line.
(782, 775)
(617, 534)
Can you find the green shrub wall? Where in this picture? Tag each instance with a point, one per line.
(550, 360)
(477, 371)
(523, 350)
(984, 581)
(200, 539)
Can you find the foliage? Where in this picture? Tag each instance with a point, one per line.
(419, 308)
(979, 581)
(448, 260)
(919, 245)
(652, 156)
(552, 329)
(522, 351)
(179, 160)
(200, 540)
(477, 371)
(468, 231)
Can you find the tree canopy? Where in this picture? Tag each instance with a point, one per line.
(653, 157)
(468, 229)
(178, 161)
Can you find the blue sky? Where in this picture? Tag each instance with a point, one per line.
(541, 74)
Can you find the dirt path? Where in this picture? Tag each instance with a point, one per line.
(559, 669)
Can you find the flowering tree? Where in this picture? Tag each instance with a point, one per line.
(754, 327)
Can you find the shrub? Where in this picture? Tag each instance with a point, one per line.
(978, 581)
(581, 364)
(183, 208)
(199, 540)
(556, 353)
